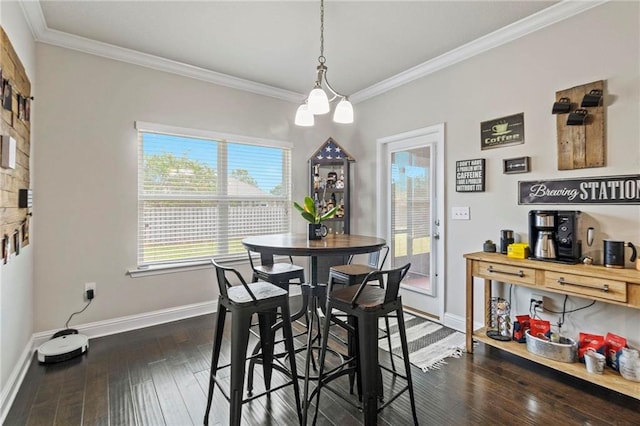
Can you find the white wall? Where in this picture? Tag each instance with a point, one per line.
(16, 278)
(523, 76)
(87, 168)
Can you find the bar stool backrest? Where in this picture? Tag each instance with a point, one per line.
(391, 279)
(373, 260)
(223, 281)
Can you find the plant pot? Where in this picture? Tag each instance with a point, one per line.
(317, 231)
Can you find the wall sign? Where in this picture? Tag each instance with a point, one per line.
(601, 190)
(503, 131)
(516, 165)
(470, 175)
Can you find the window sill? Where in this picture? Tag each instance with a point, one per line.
(168, 268)
(194, 265)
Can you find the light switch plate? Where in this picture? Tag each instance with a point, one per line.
(460, 213)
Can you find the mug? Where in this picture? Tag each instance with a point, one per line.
(614, 253)
(592, 99)
(561, 106)
(577, 117)
(317, 231)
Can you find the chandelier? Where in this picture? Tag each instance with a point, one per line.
(317, 102)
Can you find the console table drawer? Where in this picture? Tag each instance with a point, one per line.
(505, 273)
(587, 286)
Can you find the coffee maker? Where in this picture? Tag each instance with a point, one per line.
(553, 236)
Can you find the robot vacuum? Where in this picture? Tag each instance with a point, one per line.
(63, 345)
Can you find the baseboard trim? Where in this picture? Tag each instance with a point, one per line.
(133, 322)
(454, 321)
(14, 382)
(459, 323)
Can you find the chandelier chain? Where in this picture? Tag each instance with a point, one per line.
(321, 58)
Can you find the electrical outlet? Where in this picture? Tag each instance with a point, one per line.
(460, 213)
(90, 286)
(537, 300)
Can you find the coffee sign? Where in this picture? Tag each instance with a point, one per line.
(602, 190)
(503, 131)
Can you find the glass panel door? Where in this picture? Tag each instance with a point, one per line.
(411, 215)
(411, 190)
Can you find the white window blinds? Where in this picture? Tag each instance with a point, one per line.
(201, 193)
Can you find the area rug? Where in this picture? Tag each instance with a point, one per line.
(429, 343)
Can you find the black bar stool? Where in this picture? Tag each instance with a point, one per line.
(353, 274)
(281, 274)
(242, 301)
(278, 273)
(366, 304)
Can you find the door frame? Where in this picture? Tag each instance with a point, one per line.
(430, 133)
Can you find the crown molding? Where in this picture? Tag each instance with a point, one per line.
(551, 15)
(535, 22)
(43, 34)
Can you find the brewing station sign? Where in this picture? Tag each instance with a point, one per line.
(600, 190)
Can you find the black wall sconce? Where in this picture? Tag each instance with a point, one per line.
(577, 117)
(592, 99)
(563, 106)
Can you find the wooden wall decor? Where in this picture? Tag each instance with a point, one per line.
(14, 123)
(581, 146)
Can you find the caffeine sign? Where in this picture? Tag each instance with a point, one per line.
(502, 131)
(470, 175)
(602, 190)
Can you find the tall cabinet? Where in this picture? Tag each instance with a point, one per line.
(330, 186)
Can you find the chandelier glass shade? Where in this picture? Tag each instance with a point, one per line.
(318, 103)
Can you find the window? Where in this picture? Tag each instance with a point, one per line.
(200, 193)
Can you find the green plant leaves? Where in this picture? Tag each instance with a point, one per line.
(309, 212)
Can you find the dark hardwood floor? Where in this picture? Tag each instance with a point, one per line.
(159, 375)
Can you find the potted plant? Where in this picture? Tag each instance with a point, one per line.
(311, 214)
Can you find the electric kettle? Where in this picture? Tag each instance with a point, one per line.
(545, 245)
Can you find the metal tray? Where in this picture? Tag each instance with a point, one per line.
(565, 351)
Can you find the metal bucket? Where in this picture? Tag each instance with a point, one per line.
(565, 351)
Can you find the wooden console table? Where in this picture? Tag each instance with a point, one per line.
(613, 286)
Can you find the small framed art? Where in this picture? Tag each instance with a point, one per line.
(516, 165)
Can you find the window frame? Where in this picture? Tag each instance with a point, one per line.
(165, 266)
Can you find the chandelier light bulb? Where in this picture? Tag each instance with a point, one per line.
(318, 101)
(344, 112)
(304, 117)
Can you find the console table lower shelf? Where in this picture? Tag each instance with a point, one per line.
(610, 379)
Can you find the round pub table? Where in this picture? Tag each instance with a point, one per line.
(300, 245)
